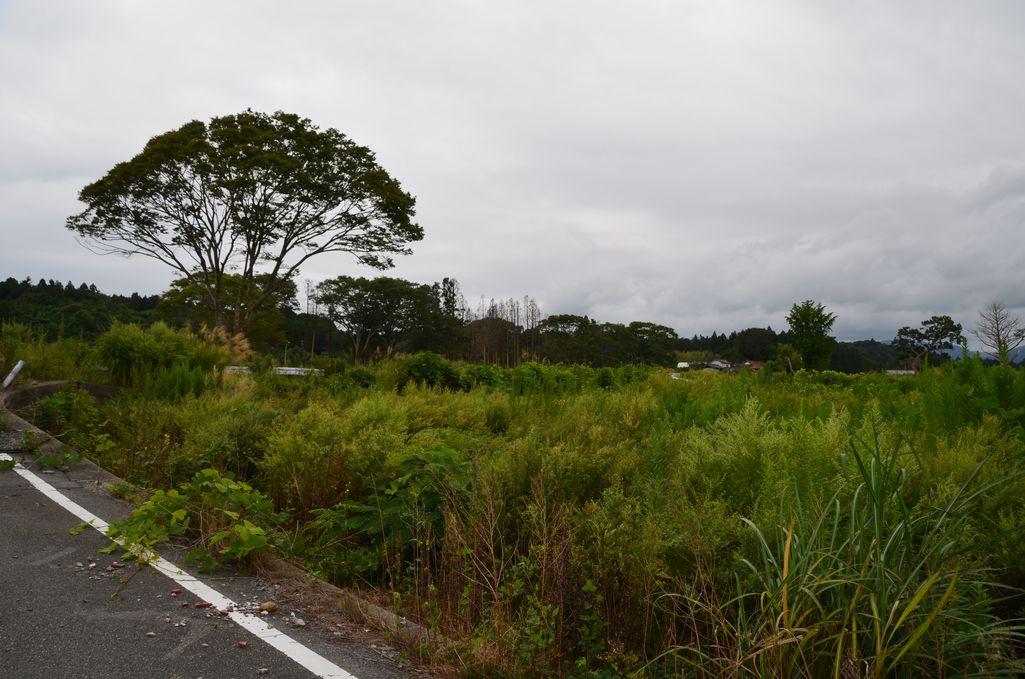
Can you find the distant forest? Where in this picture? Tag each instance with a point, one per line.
(386, 315)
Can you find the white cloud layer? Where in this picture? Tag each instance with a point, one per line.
(699, 164)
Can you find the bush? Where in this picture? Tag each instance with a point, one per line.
(225, 520)
(403, 519)
(430, 370)
(174, 383)
(132, 355)
(478, 376)
(65, 359)
(324, 455)
(67, 412)
(227, 434)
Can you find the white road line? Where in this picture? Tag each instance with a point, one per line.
(311, 660)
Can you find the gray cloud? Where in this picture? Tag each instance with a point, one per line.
(702, 165)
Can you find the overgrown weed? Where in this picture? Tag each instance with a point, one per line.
(566, 521)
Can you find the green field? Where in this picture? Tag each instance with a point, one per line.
(552, 520)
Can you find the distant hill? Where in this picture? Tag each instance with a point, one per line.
(864, 356)
(66, 310)
(1017, 356)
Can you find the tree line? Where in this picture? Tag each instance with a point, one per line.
(381, 315)
(236, 205)
(67, 310)
(370, 318)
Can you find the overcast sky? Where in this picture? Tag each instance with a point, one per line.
(698, 164)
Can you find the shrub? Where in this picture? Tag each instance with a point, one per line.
(66, 413)
(227, 434)
(132, 354)
(175, 382)
(65, 359)
(324, 455)
(430, 370)
(224, 520)
(479, 376)
(402, 519)
(360, 377)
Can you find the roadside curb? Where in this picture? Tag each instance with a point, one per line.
(354, 606)
(82, 471)
(27, 394)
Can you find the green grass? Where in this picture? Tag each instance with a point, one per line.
(566, 521)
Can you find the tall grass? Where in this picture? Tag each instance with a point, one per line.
(64, 359)
(866, 587)
(566, 521)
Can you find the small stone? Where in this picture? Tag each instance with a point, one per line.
(167, 618)
(262, 670)
(269, 606)
(151, 634)
(243, 644)
(79, 564)
(299, 622)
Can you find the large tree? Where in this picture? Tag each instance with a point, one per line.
(936, 333)
(185, 302)
(655, 343)
(568, 338)
(810, 325)
(250, 195)
(999, 331)
(381, 314)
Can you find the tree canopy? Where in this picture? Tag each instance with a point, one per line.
(69, 310)
(380, 314)
(936, 333)
(185, 303)
(247, 195)
(810, 325)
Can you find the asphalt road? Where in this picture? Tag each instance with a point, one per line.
(68, 611)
